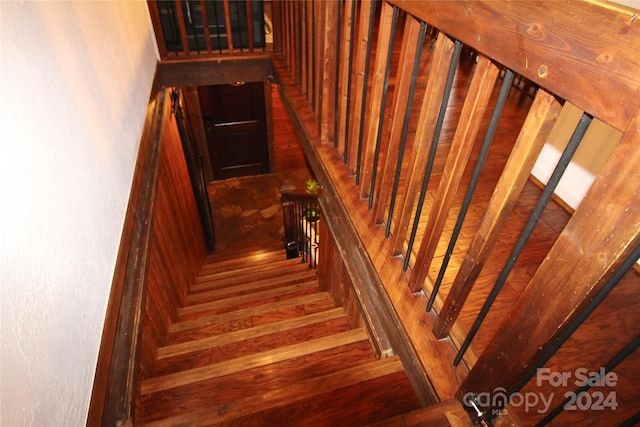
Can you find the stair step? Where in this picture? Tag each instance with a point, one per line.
(182, 378)
(218, 348)
(245, 275)
(240, 256)
(249, 264)
(247, 300)
(447, 413)
(261, 380)
(248, 317)
(376, 398)
(226, 291)
(302, 390)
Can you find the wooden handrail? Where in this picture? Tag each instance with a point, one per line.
(562, 52)
(115, 383)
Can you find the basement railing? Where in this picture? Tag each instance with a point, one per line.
(372, 88)
(188, 28)
(301, 214)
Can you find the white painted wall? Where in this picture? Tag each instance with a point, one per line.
(594, 150)
(75, 81)
(592, 153)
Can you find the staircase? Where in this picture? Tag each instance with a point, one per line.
(258, 343)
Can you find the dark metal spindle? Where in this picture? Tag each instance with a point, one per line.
(633, 420)
(626, 351)
(217, 24)
(564, 336)
(336, 117)
(493, 125)
(434, 145)
(193, 26)
(312, 54)
(385, 90)
(175, 25)
(405, 129)
(345, 156)
(372, 12)
(471, 401)
(238, 25)
(565, 158)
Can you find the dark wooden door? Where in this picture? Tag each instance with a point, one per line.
(235, 123)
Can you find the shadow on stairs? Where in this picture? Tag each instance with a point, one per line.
(258, 343)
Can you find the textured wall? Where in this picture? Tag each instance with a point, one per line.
(76, 78)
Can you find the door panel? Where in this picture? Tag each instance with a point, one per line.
(236, 129)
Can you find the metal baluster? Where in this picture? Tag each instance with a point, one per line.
(434, 145)
(405, 129)
(385, 90)
(345, 156)
(564, 336)
(372, 11)
(626, 351)
(217, 25)
(175, 25)
(573, 144)
(336, 92)
(493, 125)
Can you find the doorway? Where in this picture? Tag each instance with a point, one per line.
(235, 123)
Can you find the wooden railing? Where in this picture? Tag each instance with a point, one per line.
(301, 214)
(336, 70)
(200, 28)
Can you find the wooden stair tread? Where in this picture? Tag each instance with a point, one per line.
(237, 300)
(248, 300)
(178, 379)
(354, 405)
(306, 389)
(245, 275)
(248, 265)
(262, 379)
(447, 413)
(238, 256)
(241, 335)
(243, 342)
(249, 317)
(223, 291)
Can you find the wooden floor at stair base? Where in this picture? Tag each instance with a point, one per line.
(303, 393)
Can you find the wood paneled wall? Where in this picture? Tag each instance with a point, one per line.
(334, 279)
(162, 247)
(176, 248)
